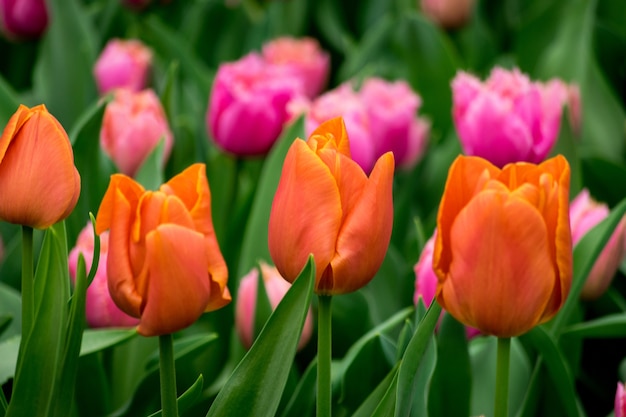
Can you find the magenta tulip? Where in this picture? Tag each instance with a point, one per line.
(23, 18)
(123, 64)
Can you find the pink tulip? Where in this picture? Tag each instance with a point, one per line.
(100, 309)
(302, 58)
(426, 281)
(23, 18)
(392, 108)
(276, 287)
(132, 126)
(123, 64)
(507, 118)
(248, 105)
(620, 401)
(585, 213)
(448, 13)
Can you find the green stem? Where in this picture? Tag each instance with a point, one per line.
(169, 406)
(28, 283)
(501, 407)
(324, 342)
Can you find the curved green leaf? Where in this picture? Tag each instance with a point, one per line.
(188, 398)
(95, 340)
(613, 325)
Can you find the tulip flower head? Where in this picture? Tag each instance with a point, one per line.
(123, 64)
(585, 213)
(503, 252)
(20, 19)
(39, 183)
(508, 118)
(164, 263)
(326, 205)
(449, 14)
(620, 401)
(100, 309)
(132, 126)
(275, 287)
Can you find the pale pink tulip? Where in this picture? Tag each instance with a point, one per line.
(585, 213)
(123, 64)
(23, 18)
(132, 126)
(449, 14)
(275, 287)
(620, 401)
(100, 309)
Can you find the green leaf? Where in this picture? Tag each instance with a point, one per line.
(612, 325)
(303, 399)
(9, 349)
(95, 340)
(371, 403)
(605, 179)
(5, 321)
(150, 173)
(188, 398)
(254, 246)
(10, 305)
(255, 387)
(263, 308)
(9, 101)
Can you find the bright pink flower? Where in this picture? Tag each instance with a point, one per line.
(23, 18)
(392, 109)
(248, 105)
(302, 58)
(508, 118)
(585, 213)
(123, 64)
(100, 309)
(132, 126)
(276, 287)
(620, 401)
(426, 280)
(448, 13)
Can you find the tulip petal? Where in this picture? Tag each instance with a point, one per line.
(306, 213)
(218, 273)
(179, 287)
(501, 285)
(331, 134)
(365, 232)
(119, 183)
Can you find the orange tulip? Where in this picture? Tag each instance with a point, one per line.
(503, 254)
(327, 206)
(165, 266)
(39, 183)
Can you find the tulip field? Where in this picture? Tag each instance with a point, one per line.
(293, 208)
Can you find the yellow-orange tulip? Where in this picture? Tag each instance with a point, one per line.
(39, 183)
(503, 254)
(326, 205)
(165, 266)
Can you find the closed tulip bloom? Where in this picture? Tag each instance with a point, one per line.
(123, 64)
(620, 401)
(23, 18)
(245, 310)
(164, 263)
(100, 310)
(39, 183)
(508, 118)
(302, 58)
(326, 205)
(253, 91)
(132, 126)
(585, 213)
(449, 14)
(503, 252)
(392, 110)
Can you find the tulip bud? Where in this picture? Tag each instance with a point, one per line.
(132, 126)
(123, 64)
(100, 309)
(520, 274)
(23, 18)
(326, 205)
(449, 14)
(164, 263)
(585, 213)
(507, 118)
(620, 401)
(275, 287)
(302, 58)
(39, 183)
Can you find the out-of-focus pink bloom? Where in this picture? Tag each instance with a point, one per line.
(508, 118)
(585, 213)
(448, 13)
(301, 58)
(123, 64)
(248, 105)
(569, 94)
(620, 401)
(392, 108)
(100, 309)
(276, 287)
(23, 18)
(132, 126)
(426, 281)
(381, 117)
